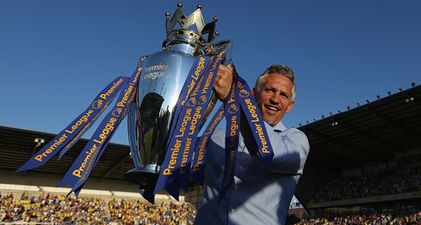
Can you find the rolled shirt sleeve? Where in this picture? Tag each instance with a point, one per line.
(290, 149)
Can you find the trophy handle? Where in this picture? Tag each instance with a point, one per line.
(223, 47)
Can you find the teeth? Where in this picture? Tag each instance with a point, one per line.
(272, 108)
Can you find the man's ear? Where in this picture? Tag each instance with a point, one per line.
(290, 106)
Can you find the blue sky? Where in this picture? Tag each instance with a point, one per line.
(55, 56)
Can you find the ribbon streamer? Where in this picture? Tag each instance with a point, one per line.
(232, 131)
(186, 153)
(201, 99)
(171, 164)
(199, 160)
(79, 172)
(255, 121)
(72, 131)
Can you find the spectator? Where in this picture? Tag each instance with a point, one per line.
(380, 182)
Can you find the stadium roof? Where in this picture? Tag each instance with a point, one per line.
(18, 145)
(375, 131)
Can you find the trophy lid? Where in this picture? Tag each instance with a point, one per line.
(181, 30)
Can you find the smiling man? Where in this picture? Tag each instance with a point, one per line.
(275, 93)
(260, 194)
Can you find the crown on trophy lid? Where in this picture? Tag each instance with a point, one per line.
(186, 24)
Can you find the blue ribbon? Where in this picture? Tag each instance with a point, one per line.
(232, 115)
(198, 103)
(79, 172)
(199, 160)
(255, 121)
(196, 72)
(72, 131)
(240, 98)
(87, 126)
(190, 108)
(172, 162)
(176, 168)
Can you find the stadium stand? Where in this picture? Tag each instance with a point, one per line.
(363, 168)
(365, 162)
(48, 208)
(375, 218)
(396, 180)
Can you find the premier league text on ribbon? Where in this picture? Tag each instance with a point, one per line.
(257, 125)
(255, 120)
(185, 141)
(175, 148)
(202, 144)
(111, 122)
(163, 129)
(81, 122)
(197, 107)
(197, 72)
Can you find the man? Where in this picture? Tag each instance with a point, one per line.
(259, 195)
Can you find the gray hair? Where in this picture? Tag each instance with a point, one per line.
(281, 69)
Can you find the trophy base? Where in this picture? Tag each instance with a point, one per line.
(145, 179)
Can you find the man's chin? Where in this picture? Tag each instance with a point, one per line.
(270, 121)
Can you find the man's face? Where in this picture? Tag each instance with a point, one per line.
(274, 97)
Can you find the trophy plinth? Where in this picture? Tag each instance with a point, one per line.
(145, 177)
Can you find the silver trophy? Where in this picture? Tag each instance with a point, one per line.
(163, 76)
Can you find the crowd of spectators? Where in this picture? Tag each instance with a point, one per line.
(383, 182)
(141, 212)
(58, 209)
(365, 219)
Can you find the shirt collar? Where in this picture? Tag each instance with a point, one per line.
(279, 127)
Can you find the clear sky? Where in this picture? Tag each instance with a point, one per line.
(55, 56)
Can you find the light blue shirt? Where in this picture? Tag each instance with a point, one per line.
(259, 195)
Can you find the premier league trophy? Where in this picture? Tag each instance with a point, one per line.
(167, 99)
(156, 108)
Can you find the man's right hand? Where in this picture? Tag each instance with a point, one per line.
(223, 81)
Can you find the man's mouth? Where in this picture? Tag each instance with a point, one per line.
(272, 108)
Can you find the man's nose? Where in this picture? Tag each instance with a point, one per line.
(274, 99)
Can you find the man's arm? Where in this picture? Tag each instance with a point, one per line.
(290, 150)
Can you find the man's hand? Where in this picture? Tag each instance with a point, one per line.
(223, 81)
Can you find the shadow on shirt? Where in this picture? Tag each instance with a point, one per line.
(259, 193)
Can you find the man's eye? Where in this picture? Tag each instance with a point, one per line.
(285, 95)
